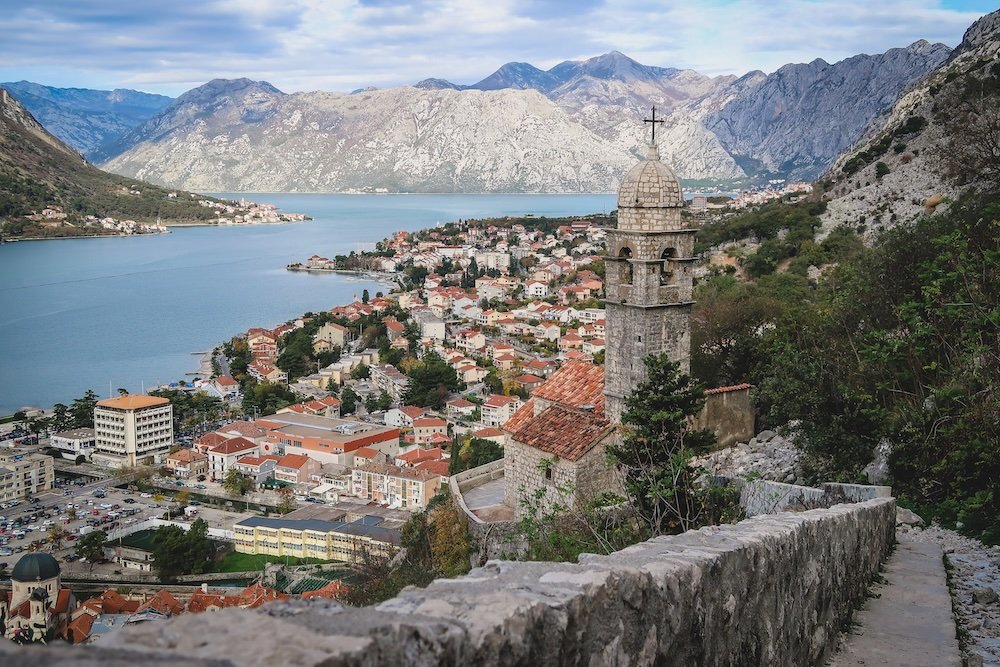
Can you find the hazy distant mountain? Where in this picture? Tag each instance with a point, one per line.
(907, 140)
(85, 118)
(574, 127)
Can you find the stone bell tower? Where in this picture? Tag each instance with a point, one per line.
(649, 278)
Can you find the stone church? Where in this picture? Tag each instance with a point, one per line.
(555, 453)
(38, 607)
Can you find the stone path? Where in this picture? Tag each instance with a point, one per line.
(911, 624)
(486, 501)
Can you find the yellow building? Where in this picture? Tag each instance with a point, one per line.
(315, 538)
(24, 474)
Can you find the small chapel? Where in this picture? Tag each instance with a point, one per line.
(555, 454)
(37, 608)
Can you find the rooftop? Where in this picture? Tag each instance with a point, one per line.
(133, 402)
(565, 432)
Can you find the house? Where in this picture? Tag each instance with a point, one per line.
(529, 382)
(460, 408)
(424, 428)
(593, 346)
(570, 341)
(418, 455)
(548, 331)
(223, 456)
(499, 408)
(491, 433)
(187, 463)
(470, 340)
(536, 288)
(470, 373)
(296, 468)
(555, 453)
(403, 417)
(257, 468)
(505, 362)
(393, 328)
(227, 388)
(334, 334)
(265, 371)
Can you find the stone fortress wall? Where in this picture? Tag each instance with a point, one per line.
(771, 590)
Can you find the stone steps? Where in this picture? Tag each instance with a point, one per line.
(911, 623)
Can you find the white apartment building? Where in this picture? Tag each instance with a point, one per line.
(132, 430)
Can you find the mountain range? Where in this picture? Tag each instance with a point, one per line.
(38, 171)
(574, 127)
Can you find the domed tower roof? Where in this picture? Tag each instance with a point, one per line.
(35, 567)
(651, 183)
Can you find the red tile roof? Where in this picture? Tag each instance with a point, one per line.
(293, 461)
(566, 432)
(429, 422)
(233, 445)
(491, 432)
(419, 455)
(520, 417)
(211, 439)
(436, 467)
(576, 384)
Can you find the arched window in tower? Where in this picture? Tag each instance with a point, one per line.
(668, 274)
(625, 275)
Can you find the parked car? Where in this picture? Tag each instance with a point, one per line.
(129, 500)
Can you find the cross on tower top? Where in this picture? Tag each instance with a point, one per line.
(652, 122)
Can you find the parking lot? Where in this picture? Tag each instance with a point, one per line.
(25, 527)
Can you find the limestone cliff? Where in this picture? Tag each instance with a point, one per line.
(908, 141)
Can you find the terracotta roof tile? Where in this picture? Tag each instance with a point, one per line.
(522, 415)
(576, 384)
(565, 432)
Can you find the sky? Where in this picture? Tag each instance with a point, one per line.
(170, 46)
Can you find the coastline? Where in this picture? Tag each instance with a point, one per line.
(84, 236)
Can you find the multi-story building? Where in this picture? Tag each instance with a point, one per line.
(132, 430)
(187, 463)
(499, 408)
(223, 456)
(406, 488)
(316, 538)
(325, 439)
(74, 443)
(390, 380)
(23, 474)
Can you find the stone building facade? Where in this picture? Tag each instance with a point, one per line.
(649, 279)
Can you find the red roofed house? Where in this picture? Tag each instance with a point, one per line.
(491, 433)
(223, 456)
(426, 427)
(460, 407)
(296, 468)
(499, 408)
(418, 455)
(187, 463)
(529, 382)
(557, 441)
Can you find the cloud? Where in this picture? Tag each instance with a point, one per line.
(169, 46)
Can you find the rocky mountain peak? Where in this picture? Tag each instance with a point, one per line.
(219, 88)
(981, 33)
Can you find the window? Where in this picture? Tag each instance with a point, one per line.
(667, 258)
(625, 271)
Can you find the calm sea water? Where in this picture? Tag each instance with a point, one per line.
(83, 313)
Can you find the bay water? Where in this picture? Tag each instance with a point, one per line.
(130, 311)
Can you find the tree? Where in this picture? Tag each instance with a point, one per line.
(364, 296)
(971, 123)
(361, 372)
(236, 483)
(177, 552)
(333, 387)
(430, 382)
(91, 547)
(286, 500)
(474, 453)
(56, 536)
(348, 401)
(183, 496)
(657, 444)
(82, 410)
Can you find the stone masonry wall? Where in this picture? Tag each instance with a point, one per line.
(772, 590)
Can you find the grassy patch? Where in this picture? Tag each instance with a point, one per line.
(238, 562)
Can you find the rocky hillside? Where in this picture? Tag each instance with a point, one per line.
(38, 171)
(575, 127)
(899, 166)
(84, 119)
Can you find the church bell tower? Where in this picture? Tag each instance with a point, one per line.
(648, 279)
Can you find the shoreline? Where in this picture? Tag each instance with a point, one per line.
(84, 236)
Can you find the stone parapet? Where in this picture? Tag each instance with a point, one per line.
(772, 590)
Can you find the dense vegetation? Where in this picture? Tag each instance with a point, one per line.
(900, 345)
